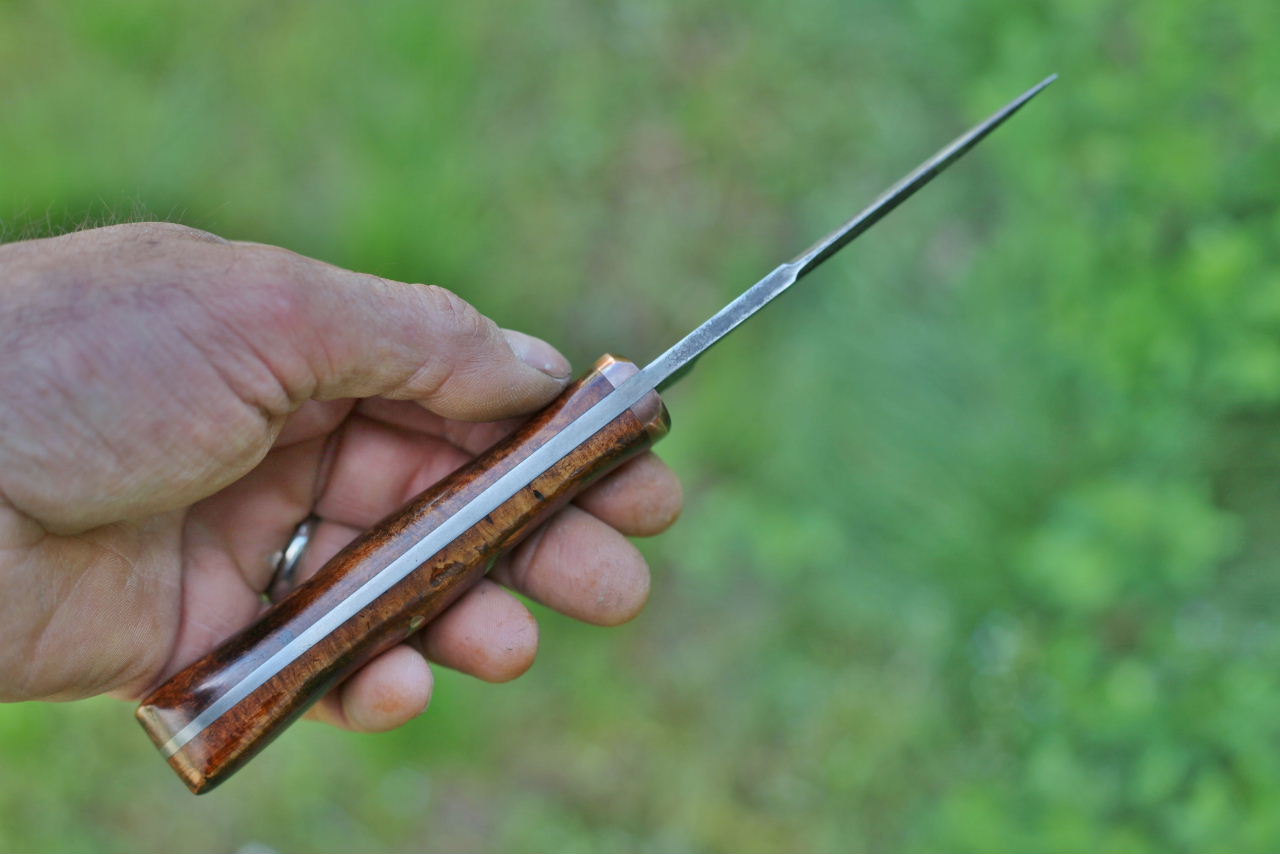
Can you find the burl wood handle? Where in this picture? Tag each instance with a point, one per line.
(206, 739)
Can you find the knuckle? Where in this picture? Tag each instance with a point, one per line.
(282, 291)
(176, 231)
(464, 338)
(456, 318)
(258, 308)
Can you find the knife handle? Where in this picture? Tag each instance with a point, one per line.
(225, 742)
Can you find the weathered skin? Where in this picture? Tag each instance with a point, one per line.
(171, 406)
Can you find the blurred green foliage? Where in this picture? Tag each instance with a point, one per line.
(983, 521)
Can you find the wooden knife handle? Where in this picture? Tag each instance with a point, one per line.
(225, 743)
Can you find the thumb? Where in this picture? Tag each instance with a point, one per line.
(344, 334)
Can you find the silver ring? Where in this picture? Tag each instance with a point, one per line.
(287, 561)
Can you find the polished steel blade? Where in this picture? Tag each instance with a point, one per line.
(656, 374)
(671, 364)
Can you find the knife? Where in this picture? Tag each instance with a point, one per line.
(219, 712)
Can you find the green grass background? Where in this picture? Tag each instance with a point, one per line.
(983, 520)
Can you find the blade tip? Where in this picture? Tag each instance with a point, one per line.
(1043, 83)
(1026, 96)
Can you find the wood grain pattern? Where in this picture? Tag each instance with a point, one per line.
(247, 727)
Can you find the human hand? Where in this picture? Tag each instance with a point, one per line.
(172, 405)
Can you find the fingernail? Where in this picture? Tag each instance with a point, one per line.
(538, 354)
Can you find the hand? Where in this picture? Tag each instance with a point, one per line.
(172, 405)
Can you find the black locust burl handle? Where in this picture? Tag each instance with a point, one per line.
(219, 712)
